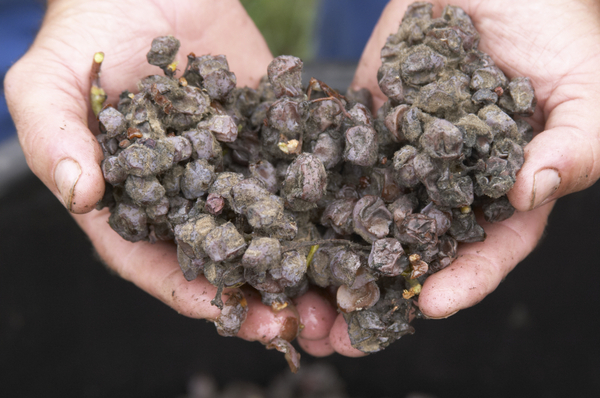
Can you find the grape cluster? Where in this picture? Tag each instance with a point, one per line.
(283, 187)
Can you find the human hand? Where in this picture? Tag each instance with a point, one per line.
(47, 92)
(556, 44)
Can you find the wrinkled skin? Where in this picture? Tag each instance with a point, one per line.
(47, 89)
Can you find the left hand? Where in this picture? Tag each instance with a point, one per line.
(557, 44)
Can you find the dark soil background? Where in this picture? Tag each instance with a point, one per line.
(68, 328)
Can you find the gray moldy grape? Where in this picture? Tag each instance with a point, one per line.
(282, 187)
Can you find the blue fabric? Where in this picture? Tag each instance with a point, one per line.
(19, 22)
(344, 27)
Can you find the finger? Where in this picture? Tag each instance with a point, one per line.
(480, 267)
(316, 315)
(264, 324)
(340, 341)
(565, 157)
(316, 348)
(50, 114)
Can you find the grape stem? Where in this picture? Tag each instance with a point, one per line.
(336, 100)
(97, 94)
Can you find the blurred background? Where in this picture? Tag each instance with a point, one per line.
(68, 328)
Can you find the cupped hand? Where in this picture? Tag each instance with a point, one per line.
(48, 96)
(557, 44)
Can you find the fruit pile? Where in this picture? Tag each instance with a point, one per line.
(283, 187)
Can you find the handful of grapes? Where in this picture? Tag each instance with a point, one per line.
(283, 187)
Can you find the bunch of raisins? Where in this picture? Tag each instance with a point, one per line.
(283, 187)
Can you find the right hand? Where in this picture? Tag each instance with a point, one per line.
(48, 96)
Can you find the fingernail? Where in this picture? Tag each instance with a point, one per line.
(66, 175)
(545, 183)
(438, 317)
(290, 329)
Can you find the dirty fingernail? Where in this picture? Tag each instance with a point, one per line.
(545, 183)
(439, 317)
(290, 329)
(66, 176)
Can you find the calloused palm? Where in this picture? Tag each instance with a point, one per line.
(557, 44)
(47, 93)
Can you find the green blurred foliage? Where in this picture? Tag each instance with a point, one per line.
(287, 25)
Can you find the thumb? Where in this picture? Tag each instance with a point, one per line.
(49, 108)
(563, 158)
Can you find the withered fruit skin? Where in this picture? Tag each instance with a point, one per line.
(283, 187)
